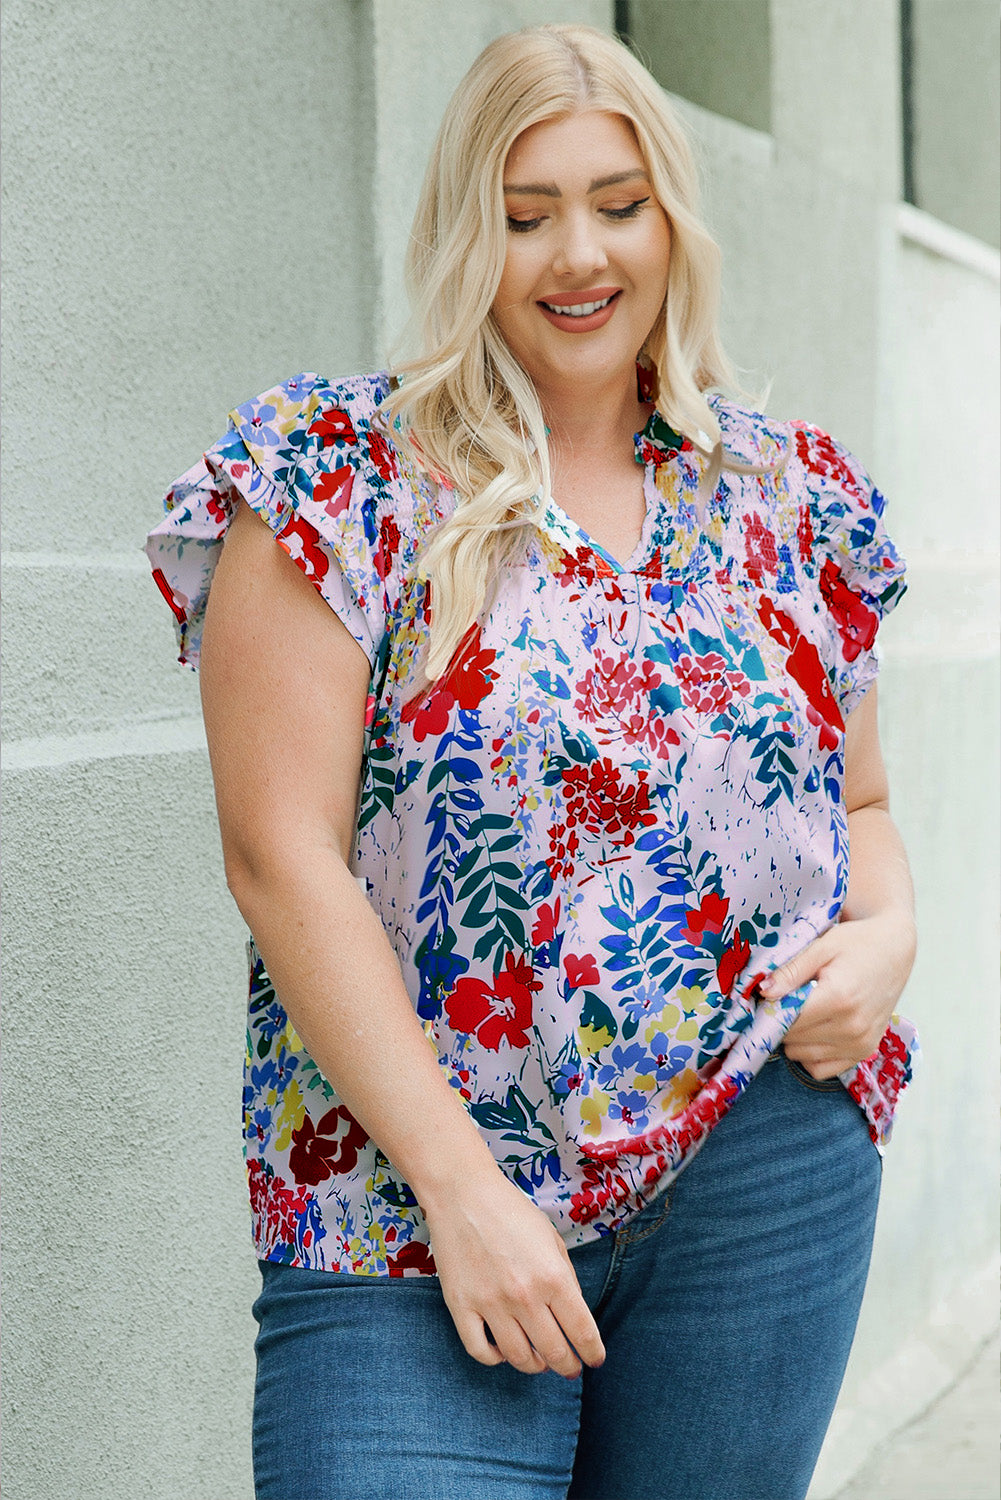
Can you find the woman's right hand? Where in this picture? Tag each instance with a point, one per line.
(508, 1281)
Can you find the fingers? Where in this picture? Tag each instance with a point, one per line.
(530, 1336)
(574, 1319)
(826, 1068)
(509, 1282)
(836, 1021)
(475, 1340)
(549, 1346)
(796, 971)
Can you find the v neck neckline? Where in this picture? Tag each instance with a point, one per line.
(655, 444)
(565, 526)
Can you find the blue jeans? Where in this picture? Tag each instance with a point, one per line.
(727, 1308)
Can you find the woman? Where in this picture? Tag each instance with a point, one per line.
(539, 738)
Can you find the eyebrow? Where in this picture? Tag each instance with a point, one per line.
(550, 190)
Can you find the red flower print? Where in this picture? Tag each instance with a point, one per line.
(806, 668)
(706, 684)
(332, 426)
(759, 549)
(582, 567)
(708, 921)
(546, 920)
(302, 543)
(600, 801)
(389, 545)
(878, 1080)
(333, 490)
(415, 1256)
(613, 685)
(857, 624)
(276, 1205)
(428, 712)
(704, 1111)
(177, 602)
(732, 962)
(778, 624)
(817, 451)
(382, 455)
(563, 846)
(319, 1152)
(218, 510)
(469, 676)
(827, 737)
(600, 1187)
(803, 665)
(580, 971)
(804, 534)
(467, 682)
(501, 1011)
(615, 698)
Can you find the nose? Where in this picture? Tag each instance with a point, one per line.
(580, 251)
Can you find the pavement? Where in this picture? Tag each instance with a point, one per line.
(950, 1451)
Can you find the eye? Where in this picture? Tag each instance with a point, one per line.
(629, 211)
(522, 226)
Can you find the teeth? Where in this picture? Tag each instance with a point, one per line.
(579, 309)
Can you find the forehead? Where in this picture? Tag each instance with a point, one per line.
(592, 143)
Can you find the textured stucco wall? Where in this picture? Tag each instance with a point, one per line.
(199, 200)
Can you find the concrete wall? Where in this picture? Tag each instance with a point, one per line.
(204, 200)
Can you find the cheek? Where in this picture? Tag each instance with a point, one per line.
(659, 252)
(510, 288)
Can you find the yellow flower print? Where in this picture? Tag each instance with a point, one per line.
(694, 998)
(672, 1020)
(590, 1040)
(291, 1039)
(680, 1090)
(593, 1109)
(290, 1116)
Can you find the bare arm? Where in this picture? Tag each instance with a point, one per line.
(283, 692)
(862, 964)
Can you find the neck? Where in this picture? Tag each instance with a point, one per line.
(599, 420)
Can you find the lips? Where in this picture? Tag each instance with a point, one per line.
(580, 312)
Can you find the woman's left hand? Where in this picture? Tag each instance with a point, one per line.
(860, 968)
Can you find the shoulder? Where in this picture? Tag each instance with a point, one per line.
(320, 448)
(809, 457)
(312, 458)
(750, 435)
(309, 416)
(811, 467)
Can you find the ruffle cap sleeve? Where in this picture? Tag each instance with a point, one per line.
(307, 458)
(843, 540)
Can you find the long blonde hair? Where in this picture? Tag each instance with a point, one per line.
(464, 406)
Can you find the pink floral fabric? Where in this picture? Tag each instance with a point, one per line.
(618, 809)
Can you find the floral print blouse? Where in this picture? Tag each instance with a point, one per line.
(590, 839)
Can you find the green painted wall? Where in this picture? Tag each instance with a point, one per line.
(717, 53)
(956, 82)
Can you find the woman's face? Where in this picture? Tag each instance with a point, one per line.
(587, 251)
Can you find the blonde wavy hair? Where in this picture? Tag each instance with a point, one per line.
(464, 406)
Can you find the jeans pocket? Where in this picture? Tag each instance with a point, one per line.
(821, 1085)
